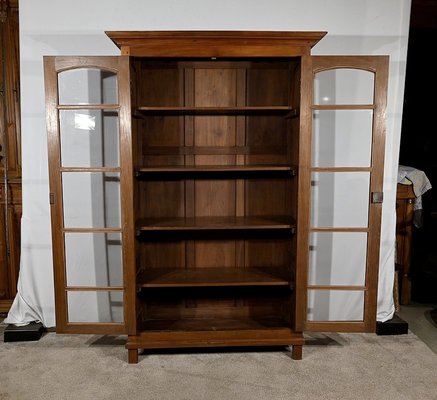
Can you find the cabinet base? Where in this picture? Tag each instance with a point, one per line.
(196, 339)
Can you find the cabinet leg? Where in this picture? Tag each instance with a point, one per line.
(132, 356)
(296, 352)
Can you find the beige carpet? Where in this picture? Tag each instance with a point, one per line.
(334, 366)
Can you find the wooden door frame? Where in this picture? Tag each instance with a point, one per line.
(379, 66)
(53, 65)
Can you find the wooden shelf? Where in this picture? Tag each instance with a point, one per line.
(217, 332)
(141, 112)
(215, 223)
(213, 324)
(217, 170)
(212, 277)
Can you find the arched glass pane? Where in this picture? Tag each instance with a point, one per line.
(344, 86)
(87, 86)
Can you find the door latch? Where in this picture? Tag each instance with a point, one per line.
(377, 197)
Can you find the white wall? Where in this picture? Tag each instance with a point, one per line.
(61, 27)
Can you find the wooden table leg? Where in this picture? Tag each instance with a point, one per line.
(296, 352)
(132, 356)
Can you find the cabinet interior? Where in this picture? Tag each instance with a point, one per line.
(215, 159)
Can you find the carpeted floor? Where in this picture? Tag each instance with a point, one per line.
(334, 366)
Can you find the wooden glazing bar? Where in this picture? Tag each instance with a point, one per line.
(88, 106)
(95, 328)
(91, 230)
(90, 169)
(337, 287)
(341, 169)
(330, 229)
(335, 326)
(343, 107)
(94, 288)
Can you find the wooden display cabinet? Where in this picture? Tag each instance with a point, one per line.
(404, 230)
(10, 154)
(215, 180)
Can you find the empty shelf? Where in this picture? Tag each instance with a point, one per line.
(215, 223)
(204, 277)
(249, 110)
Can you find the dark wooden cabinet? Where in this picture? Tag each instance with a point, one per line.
(214, 174)
(404, 229)
(10, 154)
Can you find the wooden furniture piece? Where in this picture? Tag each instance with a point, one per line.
(404, 227)
(215, 175)
(10, 154)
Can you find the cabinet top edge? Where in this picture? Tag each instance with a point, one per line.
(225, 34)
(132, 38)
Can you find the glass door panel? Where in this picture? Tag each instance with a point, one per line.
(93, 259)
(339, 199)
(85, 180)
(91, 199)
(338, 258)
(95, 306)
(342, 138)
(89, 138)
(87, 86)
(346, 167)
(344, 86)
(335, 305)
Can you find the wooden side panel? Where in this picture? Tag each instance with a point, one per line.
(10, 154)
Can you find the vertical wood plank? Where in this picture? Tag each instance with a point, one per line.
(57, 220)
(240, 159)
(376, 185)
(190, 247)
(304, 190)
(127, 193)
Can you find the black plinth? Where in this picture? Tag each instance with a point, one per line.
(30, 332)
(394, 326)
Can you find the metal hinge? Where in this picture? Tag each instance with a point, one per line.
(377, 197)
(52, 198)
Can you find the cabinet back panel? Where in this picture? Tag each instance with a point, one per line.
(263, 252)
(162, 254)
(214, 303)
(268, 86)
(160, 86)
(162, 199)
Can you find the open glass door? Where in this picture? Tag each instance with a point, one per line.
(345, 176)
(88, 117)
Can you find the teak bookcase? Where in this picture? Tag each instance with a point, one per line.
(215, 180)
